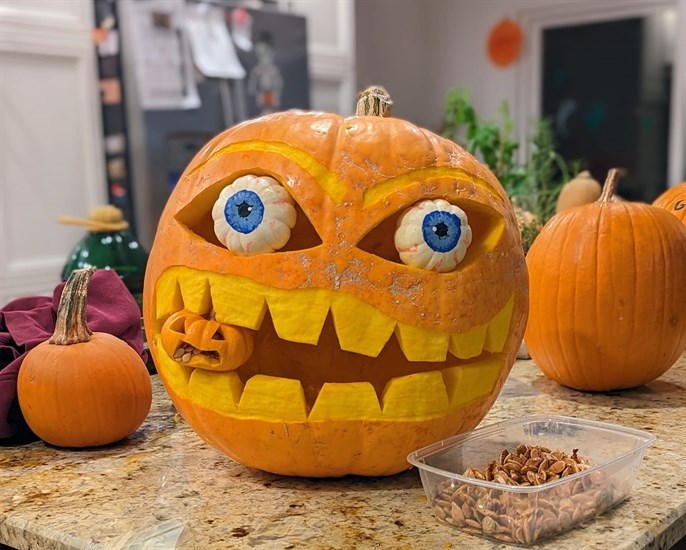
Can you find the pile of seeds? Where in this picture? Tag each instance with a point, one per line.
(527, 517)
(530, 466)
(185, 351)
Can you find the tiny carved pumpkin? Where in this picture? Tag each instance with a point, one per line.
(326, 294)
(82, 388)
(608, 283)
(674, 200)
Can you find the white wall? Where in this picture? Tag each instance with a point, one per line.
(458, 45)
(51, 159)
(392, 50)
(420, 49)
(331, 52)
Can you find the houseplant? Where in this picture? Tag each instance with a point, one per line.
(532, 176)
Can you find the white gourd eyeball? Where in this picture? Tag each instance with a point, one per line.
(254, 215)
(433, 235)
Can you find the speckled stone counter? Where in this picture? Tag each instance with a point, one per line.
(165, 488)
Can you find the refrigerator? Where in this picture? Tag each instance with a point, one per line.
(171, 100)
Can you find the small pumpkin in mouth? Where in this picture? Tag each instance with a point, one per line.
(326, 294)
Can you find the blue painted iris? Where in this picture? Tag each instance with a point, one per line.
(244, 211)
(441, 230)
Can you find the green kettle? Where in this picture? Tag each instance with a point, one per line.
(108, 244)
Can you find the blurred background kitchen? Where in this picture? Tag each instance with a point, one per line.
(105, 102)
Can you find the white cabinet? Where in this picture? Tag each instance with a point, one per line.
(331, 51)
(50, 140)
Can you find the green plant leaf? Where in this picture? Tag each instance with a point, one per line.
(533, 184)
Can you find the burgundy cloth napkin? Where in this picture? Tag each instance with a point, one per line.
(26, 322)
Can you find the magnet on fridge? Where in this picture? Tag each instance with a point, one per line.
(110, 90)
(109, 45)
(116, 168)
(115, 144)
(118, 191)
(240, 22)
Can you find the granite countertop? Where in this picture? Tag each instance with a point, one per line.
(165, 488)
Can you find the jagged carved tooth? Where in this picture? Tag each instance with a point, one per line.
(418, 395)
(272, 398)
(499, 328)
(420, 344)
(237, 301)
(346, 401)
(219, 391)
(168, 297)
(195, 289)
(468, 382)
(466, 345)
(360, 328)
(298, 315)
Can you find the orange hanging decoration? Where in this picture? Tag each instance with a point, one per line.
(505, 42)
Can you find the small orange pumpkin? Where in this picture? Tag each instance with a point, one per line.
(674, 200)
(607, 288)
(326, 294)
(82, 389)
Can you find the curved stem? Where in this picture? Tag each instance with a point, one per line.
(374, 101)
(610, 186)
(70, 326)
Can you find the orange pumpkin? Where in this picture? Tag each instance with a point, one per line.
(674, 200)
(82, 389)
(608, 282)
(284, 237)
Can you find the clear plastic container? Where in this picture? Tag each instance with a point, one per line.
(524, 515)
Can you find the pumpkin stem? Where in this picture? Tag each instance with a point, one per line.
(610, 186)
(374, 101)
(70, 326)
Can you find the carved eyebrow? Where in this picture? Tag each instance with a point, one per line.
(332, 186)
(327, 180)
(387, 187)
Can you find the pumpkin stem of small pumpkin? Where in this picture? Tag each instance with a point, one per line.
(70, 326)
(374, 101)
(610, 186)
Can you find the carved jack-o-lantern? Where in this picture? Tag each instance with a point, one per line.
(674, 200)
(325, 294)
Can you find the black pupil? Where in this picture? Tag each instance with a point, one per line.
(441, 230)
(244, 209)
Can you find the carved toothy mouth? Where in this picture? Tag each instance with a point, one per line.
(427, 373)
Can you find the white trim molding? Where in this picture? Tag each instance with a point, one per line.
(536, 19)
(331, 62)
(40, 39)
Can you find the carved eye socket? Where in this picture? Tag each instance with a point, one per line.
(433, 235)
(253, 215)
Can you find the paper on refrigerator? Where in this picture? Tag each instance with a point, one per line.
(213, 51)
(161, 55)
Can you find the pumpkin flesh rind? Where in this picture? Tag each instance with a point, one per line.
(347, 176)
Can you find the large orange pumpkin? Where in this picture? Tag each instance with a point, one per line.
(674, 200)
(337, 357)
(608, 288)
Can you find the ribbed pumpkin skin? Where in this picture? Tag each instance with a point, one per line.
(607, 295)
(342, 172)
(674, 200)
(86, 394)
